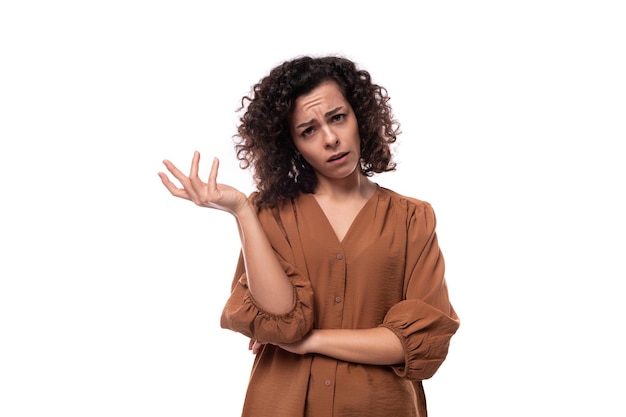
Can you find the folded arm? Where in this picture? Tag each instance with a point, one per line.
(377, 346)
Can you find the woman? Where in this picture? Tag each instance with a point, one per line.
(340, 284)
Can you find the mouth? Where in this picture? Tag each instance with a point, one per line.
(337, 156)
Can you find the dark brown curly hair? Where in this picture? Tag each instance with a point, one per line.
(264, 141)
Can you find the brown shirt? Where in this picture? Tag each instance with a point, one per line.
(388, 271)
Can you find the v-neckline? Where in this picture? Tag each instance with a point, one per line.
(354, 219)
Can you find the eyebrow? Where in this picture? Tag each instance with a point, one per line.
(327, 114)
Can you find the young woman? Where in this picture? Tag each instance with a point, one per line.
(340, 284)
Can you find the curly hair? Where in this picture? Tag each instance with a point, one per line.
(264, 141)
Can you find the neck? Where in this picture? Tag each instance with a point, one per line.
(355, 185)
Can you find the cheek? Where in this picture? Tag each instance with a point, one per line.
(308, 157)
(304, 152)
(358, 143)
(301, 147)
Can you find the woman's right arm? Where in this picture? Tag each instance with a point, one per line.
(267, 281)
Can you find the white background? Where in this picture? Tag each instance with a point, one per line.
(513, 117)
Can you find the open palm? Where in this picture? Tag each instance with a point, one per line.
(204, 194)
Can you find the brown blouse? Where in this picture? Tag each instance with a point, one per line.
(388, 271)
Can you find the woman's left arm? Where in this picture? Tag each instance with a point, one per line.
(377, 346)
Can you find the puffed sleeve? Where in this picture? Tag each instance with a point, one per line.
(425, 320)
(241, 314)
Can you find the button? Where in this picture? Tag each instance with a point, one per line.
(339, 256)
(337, 299)
(327, 382)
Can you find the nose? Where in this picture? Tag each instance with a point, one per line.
(330, 138)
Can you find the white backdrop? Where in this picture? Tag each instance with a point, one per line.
(111, 289)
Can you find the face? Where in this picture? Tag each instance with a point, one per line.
(325, 131)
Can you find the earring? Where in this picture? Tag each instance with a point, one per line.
(295, 163)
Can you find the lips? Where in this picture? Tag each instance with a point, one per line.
(337, 156)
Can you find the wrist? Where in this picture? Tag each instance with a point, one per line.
(244, 210)
(313, 341)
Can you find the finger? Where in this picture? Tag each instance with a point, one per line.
(213, 174)
(187, 191)
(175, 171)
(251, 344)
(172, 188)
(199, 188)
(257, 347)
(195, 162)
(193, 188)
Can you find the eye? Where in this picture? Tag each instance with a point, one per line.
(307, 132)
(338, 117)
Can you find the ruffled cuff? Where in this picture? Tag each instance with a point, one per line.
(425, 334)
(241, 314)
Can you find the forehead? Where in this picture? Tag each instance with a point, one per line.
(324, 96)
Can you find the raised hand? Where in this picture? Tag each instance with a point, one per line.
(204, 194)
